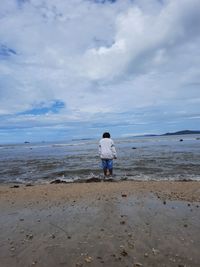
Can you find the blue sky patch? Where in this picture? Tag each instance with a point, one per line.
(21, 2)
(6, 51)
(44, 108)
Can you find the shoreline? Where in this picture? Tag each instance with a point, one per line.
(175, 190)
(101, 224)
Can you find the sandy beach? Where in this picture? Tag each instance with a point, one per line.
(100, 224)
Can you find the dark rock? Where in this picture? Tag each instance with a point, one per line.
(15, 186)
(29, 236)
(181, 140)
(134, 147)
(186, 180)
(58, 181)
(137, 264)
(93, 180)
(29, 184)
(164, 202)
(124, 253)
(124, 195)
(109, 180)
(89, 180)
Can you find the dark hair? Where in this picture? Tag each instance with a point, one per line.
(106, 135)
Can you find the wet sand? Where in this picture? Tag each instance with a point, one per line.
(100, 224)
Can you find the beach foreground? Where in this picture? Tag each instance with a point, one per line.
(100, 224)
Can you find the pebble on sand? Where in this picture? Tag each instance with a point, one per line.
(124, 253)
(88, 259)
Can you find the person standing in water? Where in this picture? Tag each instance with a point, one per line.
(107, 153)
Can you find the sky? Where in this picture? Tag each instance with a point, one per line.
(78, 68)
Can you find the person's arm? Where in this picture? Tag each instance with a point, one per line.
(99, 149)
(113, 150)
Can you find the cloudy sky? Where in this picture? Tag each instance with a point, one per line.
(76, 68)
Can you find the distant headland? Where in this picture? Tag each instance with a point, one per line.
(173, 133)
(182, 132)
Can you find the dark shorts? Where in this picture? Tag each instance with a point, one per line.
(107, 164)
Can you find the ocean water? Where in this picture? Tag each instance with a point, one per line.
(139, 158)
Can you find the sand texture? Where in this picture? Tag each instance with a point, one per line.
(100, 224)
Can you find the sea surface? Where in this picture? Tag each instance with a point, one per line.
(139, 158)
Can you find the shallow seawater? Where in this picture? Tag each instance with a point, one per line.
(139, 158)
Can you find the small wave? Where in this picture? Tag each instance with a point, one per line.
(71, 144)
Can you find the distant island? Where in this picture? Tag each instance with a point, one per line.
(182, 132)
(173, 133)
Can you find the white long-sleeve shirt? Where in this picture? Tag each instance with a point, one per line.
(107, 149)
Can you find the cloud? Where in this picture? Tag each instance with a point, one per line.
(141, 37)
(99, 59)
